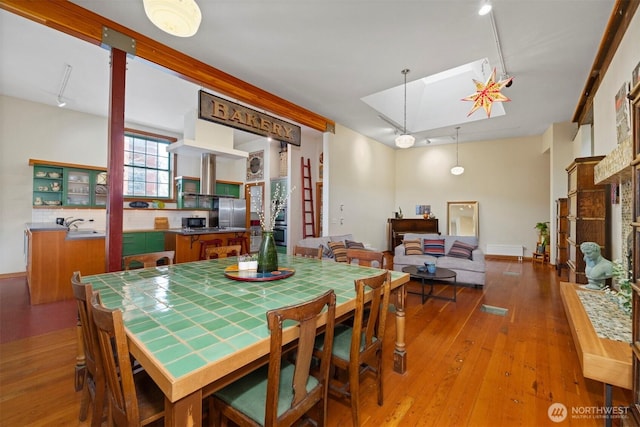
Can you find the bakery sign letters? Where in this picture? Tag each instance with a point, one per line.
(237, 116)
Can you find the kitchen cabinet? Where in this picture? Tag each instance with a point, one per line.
(85, 188)
(67, 185)
(141, 242)
(228, 188)
(187, 190)
(589, 215)
(188, 193)
(52, 259)
(47, 185)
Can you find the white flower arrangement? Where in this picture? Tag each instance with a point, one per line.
(278, 203)
(623, 295)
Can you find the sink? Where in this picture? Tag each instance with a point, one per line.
(84, 233)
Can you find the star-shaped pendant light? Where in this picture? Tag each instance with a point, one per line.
(487, 93)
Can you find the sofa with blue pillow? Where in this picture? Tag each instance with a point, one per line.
(333, 247)
(458, 253)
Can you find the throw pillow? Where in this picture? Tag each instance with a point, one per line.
(339, 251)
(353, 245)
(326, 251)
(434, 247)
(461, 250)
(412, 247)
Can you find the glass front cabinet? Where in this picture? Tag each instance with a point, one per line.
(68, 185)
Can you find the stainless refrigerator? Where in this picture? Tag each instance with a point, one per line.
(228, 212)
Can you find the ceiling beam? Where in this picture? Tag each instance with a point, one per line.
(74, 20)
(618, 23)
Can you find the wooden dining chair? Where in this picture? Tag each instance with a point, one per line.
(222, 251)
(242, 241)
(150, 259)
(204, 244)
(357, 348)
(308, 252)
(94, 386)
(285, 391)
(134, 399)
(365, 257)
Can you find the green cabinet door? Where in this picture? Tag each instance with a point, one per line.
(154, 241)
(48, 185)
(133, 243)
(228, 189)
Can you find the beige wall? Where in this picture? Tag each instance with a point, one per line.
(508, 178)
(360, 174)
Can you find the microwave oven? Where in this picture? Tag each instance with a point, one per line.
(194, 222)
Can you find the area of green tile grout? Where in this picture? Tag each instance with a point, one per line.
(189, 315)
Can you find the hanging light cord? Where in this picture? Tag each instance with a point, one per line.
(405, 72)
(457, 159)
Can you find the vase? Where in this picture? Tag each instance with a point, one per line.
(267, 254)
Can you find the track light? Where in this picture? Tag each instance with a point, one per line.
(63, 85)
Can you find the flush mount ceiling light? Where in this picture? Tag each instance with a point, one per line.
(405, 140)
(179, 18)
(457, 169)
(63, 85)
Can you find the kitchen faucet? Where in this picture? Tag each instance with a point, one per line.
(70, 223)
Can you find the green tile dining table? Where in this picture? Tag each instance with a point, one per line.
(195, 330)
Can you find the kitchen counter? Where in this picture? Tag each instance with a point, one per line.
(214, 230)
(45, 226)
(187, 243)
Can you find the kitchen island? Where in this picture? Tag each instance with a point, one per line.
(186, 242)
(53, 254)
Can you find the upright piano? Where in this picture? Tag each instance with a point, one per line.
(399, 227)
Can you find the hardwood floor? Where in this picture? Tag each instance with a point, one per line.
(466, 366)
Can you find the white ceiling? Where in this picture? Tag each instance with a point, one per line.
(327, 56)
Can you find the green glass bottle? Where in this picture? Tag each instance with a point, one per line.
(267, 254)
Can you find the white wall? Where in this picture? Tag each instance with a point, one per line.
(509, 179)
(360, 174)
(604, 116)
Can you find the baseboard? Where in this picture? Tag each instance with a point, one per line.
(13, 275)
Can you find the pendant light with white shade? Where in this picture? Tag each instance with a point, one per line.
(405, 140)
(457, 169)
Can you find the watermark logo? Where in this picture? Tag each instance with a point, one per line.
(557, 412)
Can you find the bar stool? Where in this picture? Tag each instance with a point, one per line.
(242, 241)
(204, 244)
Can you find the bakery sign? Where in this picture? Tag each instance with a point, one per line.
(237, 116)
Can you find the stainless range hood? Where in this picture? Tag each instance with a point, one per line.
(204, 137)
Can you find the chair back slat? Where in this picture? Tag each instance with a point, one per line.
(365, 257)
(212, 252)
(306, 315)
(116, 362)
(305, 252)
(150, 259)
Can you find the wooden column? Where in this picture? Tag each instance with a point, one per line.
(115, 163)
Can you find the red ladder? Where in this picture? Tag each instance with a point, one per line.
(308, 217)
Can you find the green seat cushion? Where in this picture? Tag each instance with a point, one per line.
(341, 342)
(249, 394)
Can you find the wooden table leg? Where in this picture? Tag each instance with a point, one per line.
(400, 352)
(184, 412)
(81, 368)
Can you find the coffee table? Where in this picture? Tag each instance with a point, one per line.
(441, 275)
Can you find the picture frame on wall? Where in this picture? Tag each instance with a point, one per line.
(623, 119)
(255, 166)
